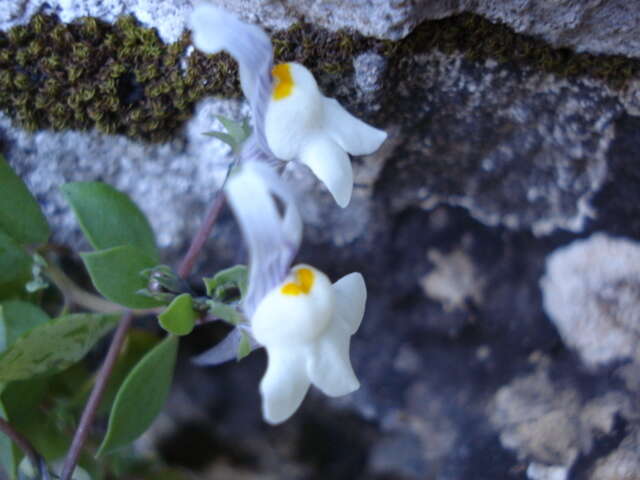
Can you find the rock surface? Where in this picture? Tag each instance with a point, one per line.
(495, 176)
(610, 27)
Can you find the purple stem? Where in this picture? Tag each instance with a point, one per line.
(39, 465)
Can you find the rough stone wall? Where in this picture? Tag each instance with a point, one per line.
(596, 26)
(485, 227)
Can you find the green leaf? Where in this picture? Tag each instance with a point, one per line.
(116, 274)
(244, 347)
(7, 457)
(224, 137)
(141, 396)
(53, 346)
(238, 130)
(16, 318)
(15, 265)
(136, 346)
(225, 312)
(179, 317)
(109, 218)
(20, 215)
(232, 277)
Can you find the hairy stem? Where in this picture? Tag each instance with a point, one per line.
(39, 465)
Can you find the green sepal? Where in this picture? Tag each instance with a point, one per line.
(224, 312)
(179, 317)
(229, 278)
(244, 347)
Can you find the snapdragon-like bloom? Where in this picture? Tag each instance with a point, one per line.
(293, 120)
(306, 324)
(303, 320)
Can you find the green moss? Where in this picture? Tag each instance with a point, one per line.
(121, 78)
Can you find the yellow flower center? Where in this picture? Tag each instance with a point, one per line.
(283, 81)
(303, 283)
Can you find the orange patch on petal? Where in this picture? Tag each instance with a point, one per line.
(302, 284)
(284, 83)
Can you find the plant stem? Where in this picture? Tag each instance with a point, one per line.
(99, 387)
(201, 237)
(39, 465)
(74, 295)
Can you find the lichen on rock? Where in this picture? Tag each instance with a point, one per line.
(591, 292)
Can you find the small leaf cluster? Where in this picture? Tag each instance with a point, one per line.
(43, 382)
(45, 331)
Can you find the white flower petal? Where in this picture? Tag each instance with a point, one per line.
(290, 121)
(294, 318)
(215, 29)
(285, 383)
(329, 366)
(273, 240)
(330, 163)
(350, 299)
(351, 133)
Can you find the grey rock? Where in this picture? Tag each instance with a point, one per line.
(551, 423)
(623, 463)
(540, 421)
(611, 26)
(171, 182)
(592, 294)
(454, 281)
(515, 147)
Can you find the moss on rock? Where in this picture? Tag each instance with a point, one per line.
(121, 78)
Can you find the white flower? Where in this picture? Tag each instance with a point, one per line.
(293, 120)
(306, 324)
(303, 124)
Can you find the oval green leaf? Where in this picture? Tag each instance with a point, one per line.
(53, 346)
(109, 218)
(116, 274)
(136, 346)
(179, 317)
(141, 396)
(15, 265)
(16, 318)
(20, 214)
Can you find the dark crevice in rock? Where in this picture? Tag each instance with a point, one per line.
(618, 203)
